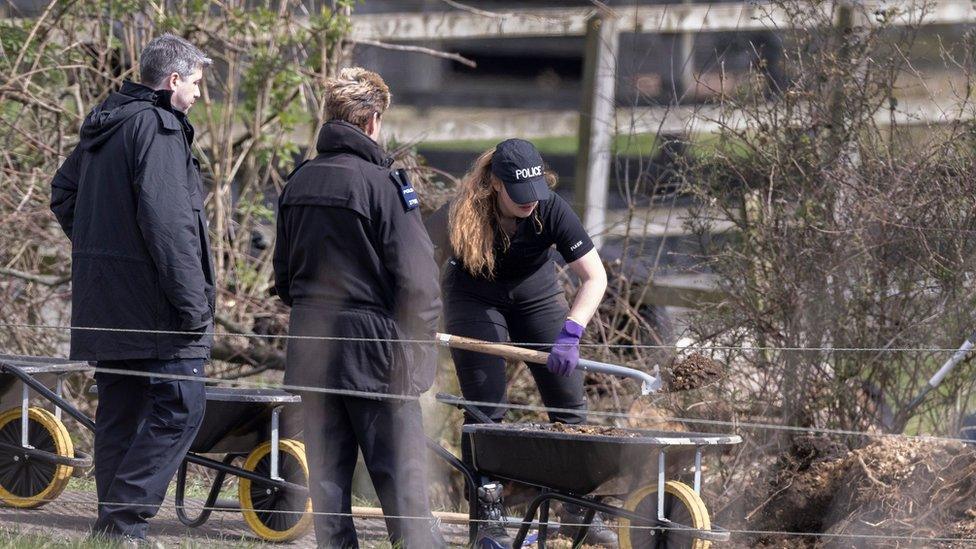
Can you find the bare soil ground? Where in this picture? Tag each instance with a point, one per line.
(891, 486)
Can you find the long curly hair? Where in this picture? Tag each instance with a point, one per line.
(473, 219)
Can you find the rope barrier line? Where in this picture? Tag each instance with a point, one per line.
(435, 520)
(509, 406)
(436, 342)
(534, 408)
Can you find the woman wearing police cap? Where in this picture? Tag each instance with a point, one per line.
(500, 285)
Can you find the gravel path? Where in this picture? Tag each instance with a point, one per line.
(71, 515)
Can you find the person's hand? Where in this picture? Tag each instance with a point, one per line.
(565, 351)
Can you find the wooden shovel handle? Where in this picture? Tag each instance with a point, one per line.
(649, 382)
(510, 352)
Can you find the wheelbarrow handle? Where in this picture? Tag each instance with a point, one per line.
(649, 383)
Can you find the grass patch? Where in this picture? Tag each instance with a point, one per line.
(15, 539)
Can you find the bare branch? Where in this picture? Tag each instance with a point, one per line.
(46, 280)
(419, 49)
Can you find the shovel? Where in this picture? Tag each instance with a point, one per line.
(935, 380)
(649, 383)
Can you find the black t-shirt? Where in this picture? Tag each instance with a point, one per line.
(529, 248)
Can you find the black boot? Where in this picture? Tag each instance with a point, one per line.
(491, 532)
(598, 533)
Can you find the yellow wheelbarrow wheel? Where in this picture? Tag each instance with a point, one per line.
(275, 515)
(681, 506)
(29, 483)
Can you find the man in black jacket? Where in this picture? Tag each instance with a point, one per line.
(129, 197)
(353, 260)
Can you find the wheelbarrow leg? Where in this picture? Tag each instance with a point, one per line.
(470, 483)
(24, 403)
(59, 390)
(581, 533)
(543, 524)
(275, 420)
(523, 532)
(660, 484)
(698, 470)
(209, 505)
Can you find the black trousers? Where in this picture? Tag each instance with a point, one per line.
(530, 310)
(390, 434)
(143, 428)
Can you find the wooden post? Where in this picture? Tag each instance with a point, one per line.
(596, 124)
(683, 53)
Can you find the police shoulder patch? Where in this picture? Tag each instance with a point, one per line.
(408, 196)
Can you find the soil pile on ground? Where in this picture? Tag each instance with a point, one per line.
(892, 486)
(694, 372)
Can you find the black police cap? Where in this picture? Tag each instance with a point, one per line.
(519, 166)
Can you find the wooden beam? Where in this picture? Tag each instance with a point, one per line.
(685, 290)
(661, 221)
(465, 124)
(665, 18)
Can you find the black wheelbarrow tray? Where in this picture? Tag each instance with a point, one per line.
(37, 456)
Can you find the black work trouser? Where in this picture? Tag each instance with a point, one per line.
(390, 434)
(143, 428)
(530, 310)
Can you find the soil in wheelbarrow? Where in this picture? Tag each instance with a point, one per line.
(693, 372)
(580, 429)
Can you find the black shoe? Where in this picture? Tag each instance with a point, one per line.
(492, 533)
(598, 533)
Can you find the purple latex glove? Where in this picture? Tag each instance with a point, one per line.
(565, 350)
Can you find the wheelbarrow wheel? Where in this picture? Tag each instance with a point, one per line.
(273, 515)
(681, 506)
(30, 483)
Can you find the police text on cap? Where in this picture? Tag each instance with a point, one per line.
(523, 173)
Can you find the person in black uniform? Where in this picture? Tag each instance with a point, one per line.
(500, 285)
(130, 199)
(353, 260)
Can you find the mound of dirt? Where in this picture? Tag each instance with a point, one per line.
(694, 372)
(892, 486)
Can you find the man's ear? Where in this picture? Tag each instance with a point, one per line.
(173, 81)
(371, 125)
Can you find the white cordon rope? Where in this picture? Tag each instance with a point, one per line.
(510, 406)
(436, 342)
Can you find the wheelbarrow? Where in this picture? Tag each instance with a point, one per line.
(272, 489)
(238, 423)
(37, 457)
(582, 469)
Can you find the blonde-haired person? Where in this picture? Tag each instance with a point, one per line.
(355, 264)
(500, 285)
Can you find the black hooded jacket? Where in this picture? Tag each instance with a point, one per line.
(354, 261)
(130, 199)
